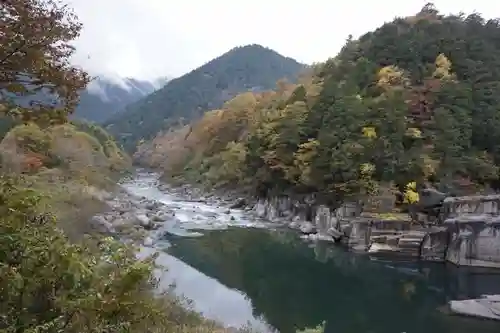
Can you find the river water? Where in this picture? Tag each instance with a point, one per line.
(239, 270)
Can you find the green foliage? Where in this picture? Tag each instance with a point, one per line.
(82, 148)
(117, 157)
(414, 101)
(32, 137)
(51, 285)
(47, 282)
(227, 167)
(205, 88)
(6, 124)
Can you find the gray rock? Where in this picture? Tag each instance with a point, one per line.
(487, 307)
(143, 220)
(239, 203)
(101, 224)
(307, 227)
(211, 215)
(153, 205)
(148, 242)
(158, 218)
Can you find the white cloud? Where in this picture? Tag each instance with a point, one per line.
(151, 38)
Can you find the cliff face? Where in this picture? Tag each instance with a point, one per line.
(468, 235)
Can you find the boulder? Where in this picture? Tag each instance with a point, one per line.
(153, 205)
(144, 221)
(306, 228)
(148, 242)
(239, 203)
(486, 307)
(101, 224)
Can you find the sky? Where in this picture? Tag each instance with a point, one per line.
(147, 39)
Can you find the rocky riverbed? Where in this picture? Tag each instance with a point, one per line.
(146, 211)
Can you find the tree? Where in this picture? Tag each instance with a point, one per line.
(37, 81)
(48, 284)
(415, 101)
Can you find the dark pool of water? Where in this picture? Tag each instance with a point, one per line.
(293, 286)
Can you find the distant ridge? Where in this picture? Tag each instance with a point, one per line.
(250, 67)
(105, 97)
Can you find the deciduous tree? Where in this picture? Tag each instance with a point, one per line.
(37, 80)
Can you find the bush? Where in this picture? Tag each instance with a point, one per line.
(48, 284)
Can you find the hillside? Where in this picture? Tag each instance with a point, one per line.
(251, 67)
(57, 272)
(104, 97)
(416, 100)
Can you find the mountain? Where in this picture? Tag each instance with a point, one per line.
(413, 103)
(250, 67)
(105, 97)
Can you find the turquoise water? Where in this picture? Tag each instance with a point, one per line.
(271, 279)
(291, 285)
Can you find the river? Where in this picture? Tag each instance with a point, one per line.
(239, 270)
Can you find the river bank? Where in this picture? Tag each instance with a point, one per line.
(146, 210)
(460, 230)
(237, 268)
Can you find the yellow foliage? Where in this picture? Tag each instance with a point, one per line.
(414, 132)
(369, 132)
(391, 76)
(443, 68)
(367, 169)
(411, 195)
(443, 62)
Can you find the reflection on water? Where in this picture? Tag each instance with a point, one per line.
(212, 298)
(293, 286)
(260, 276)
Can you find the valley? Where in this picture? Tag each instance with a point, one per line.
(254, 193)
(239, 269)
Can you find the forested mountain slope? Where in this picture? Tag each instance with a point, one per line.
(251, 67)
(417, 100)
(56, 273)
(104, 97)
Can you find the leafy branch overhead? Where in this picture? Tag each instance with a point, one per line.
(37, 81)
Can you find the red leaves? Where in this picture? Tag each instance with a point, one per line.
(32, 162)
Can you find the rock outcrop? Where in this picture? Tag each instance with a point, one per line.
(466, 231)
